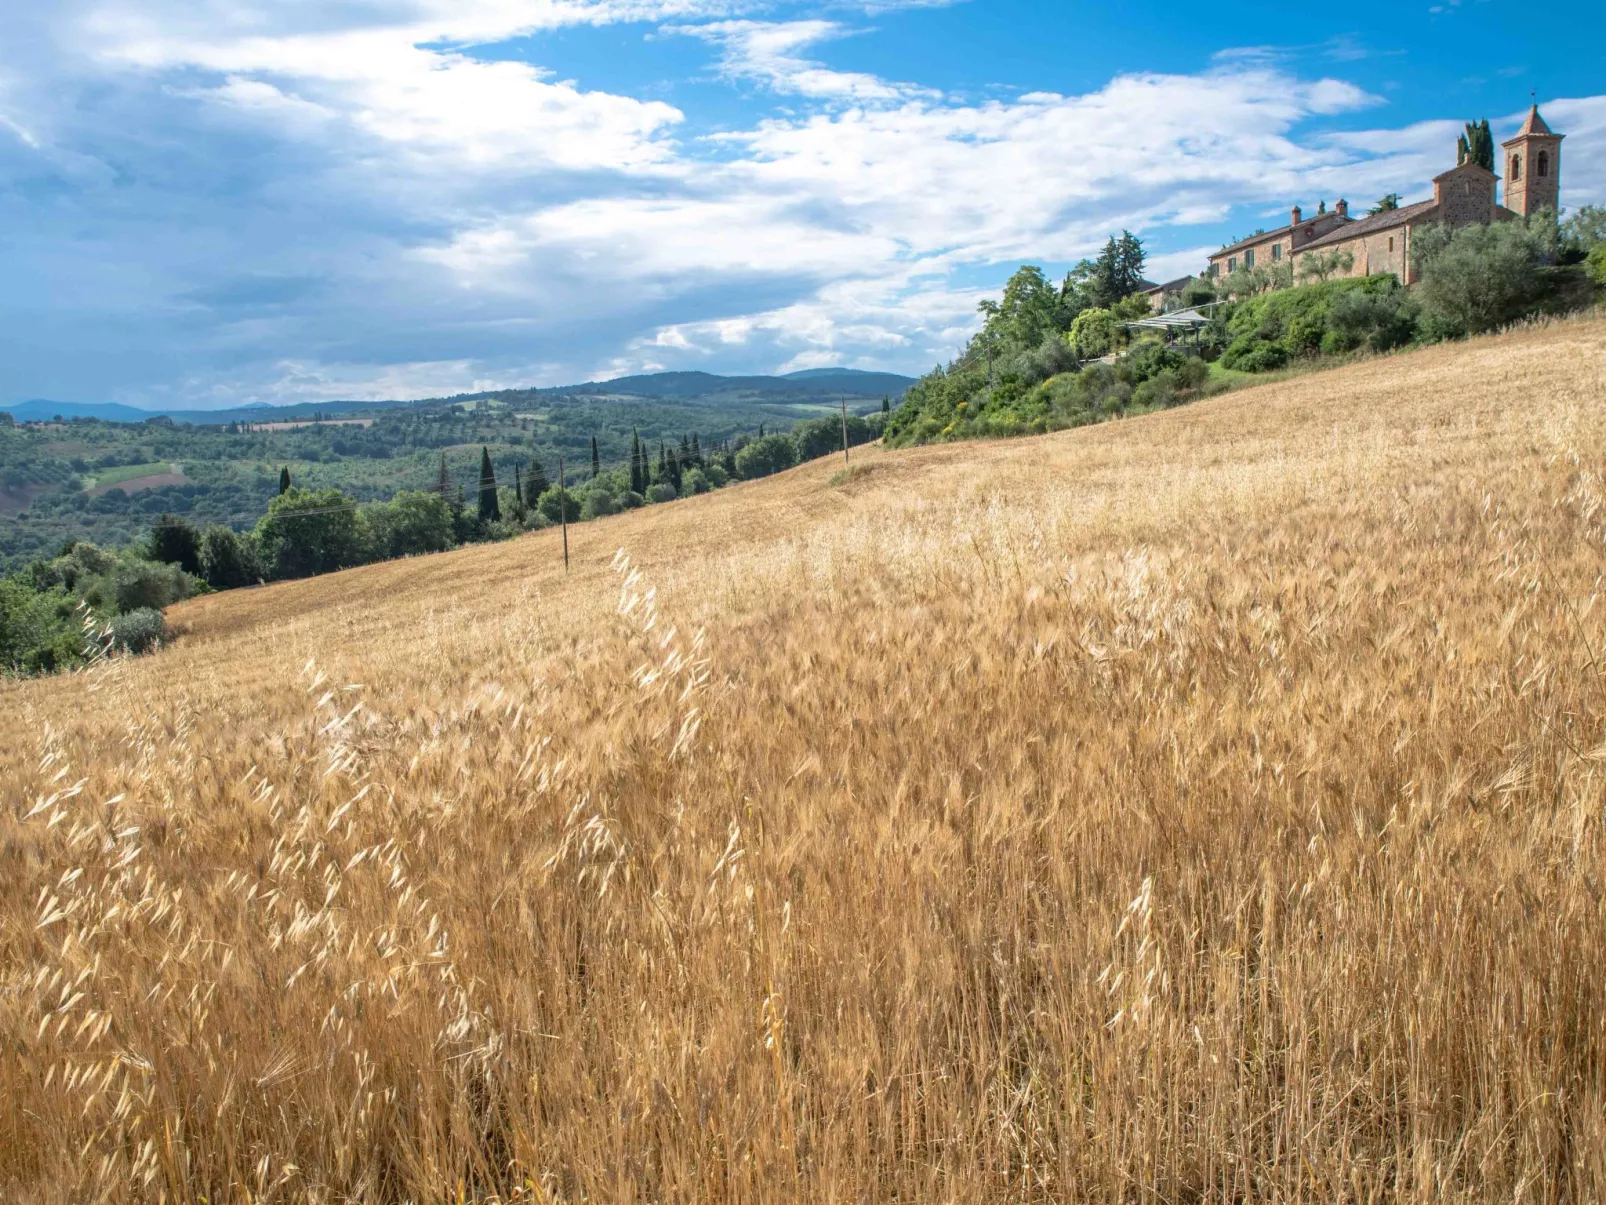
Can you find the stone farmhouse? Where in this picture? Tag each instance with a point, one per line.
(1381, 242)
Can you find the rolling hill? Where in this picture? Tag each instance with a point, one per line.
(1199, 807)
(817, 384)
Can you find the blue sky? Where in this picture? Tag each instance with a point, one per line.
(213, 202)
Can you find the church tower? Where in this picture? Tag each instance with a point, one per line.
(1533, 167)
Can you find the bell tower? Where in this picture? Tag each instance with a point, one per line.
(1533, 167)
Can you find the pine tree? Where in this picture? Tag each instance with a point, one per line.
(284, 480)
(886, 404)
(490, 508)
(596, 461)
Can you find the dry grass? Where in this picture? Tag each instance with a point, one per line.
(1203, 807)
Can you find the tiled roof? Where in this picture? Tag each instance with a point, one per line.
(1386, 220)
(1534, 125)
(1254, 240)
(1170, 286)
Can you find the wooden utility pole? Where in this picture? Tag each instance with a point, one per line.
(844, 430)
(563, 514)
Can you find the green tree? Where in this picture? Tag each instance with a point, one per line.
(228, 560)
(284, 479)
(535, 483)
(1118, 271)
(1476, 278)
(490, 506)
(1582, 232)
(554, 503)
(177, 541)
(310, 531)
(770, 454)
(1476, 145)
(1387, 203)
(413, 522)
(596, 461)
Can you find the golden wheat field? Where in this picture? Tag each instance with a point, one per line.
(1204, 807)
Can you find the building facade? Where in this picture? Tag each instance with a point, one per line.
(1381, 242)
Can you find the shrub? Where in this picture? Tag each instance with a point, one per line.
(149, 585)
(1267, 332)
(717, 477)
(695, 482)
(630, 500)
(139, 631)
(1596, 264)
(662, 492)
(1476, 278)
(597, 504)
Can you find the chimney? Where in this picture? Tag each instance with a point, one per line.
(1342, 208)
(1296, 217)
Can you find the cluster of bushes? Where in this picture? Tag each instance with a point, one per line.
(86, 600)
(1046, 391)
(1266, 332)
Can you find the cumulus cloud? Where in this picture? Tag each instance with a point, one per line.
(235, 200)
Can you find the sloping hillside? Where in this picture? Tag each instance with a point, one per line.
(1205, 806)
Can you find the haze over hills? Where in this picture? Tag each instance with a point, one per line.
(809, 384)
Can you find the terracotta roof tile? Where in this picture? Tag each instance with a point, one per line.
(1386, 220)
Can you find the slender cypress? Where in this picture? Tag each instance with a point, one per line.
(490, 508)
(284, 480)
(596, 461)
(535, 482)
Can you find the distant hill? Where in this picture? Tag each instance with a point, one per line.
(810, 384)
(813, 382)
(40, 410)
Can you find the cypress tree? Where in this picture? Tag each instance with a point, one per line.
(886, 404)
(284, 480)
(518, 487)
(443, 481)
(663, 463)
(637, 484)
(490, 508)
(535, 482)
(696, 448)
(596, 462)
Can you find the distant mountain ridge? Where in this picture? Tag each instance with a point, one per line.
(808, 383)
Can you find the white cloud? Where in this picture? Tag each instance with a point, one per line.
(766, 51)
(345, 198)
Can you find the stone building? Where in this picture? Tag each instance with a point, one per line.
(1381, 242)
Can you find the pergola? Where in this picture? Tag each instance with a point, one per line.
(1181, 320)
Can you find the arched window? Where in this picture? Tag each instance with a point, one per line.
(1544, 164)
(1516, 168)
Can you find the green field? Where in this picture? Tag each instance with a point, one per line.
(128, 472)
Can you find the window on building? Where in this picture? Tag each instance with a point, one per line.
(1516, 168)
(1249, 258)
(1232, 264)
(1544, 164)
(1391, 242)
(1276, 250)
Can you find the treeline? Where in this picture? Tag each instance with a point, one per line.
(1048, 357)
(85, 601)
